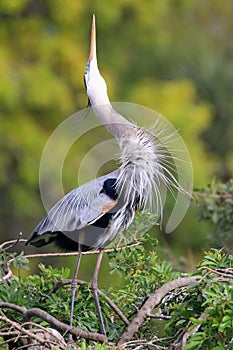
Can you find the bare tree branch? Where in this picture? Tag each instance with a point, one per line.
(47, 337)
(50, 334)
(21, 329)
(78, 332)
(153, 300)
(90, 252)
(12, 306)
(28, 314)
(12, 242)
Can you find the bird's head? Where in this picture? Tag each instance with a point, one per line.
(94, 82)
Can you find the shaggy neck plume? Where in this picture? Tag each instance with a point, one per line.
(137, 172)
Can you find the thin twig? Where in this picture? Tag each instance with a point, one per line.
(32, 346)
(228, 272)
(52, 332)
(158, 316)
(8, 333)
(13, 339)
(110, 250)
(142, 344)
(114, 307)
(21, 329)
(13, 242)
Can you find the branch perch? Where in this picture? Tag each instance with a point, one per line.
(78, 332)
(153, 300)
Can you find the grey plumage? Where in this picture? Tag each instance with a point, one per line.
(89, 215)
(92, 215)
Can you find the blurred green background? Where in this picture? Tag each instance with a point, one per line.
(174, 56)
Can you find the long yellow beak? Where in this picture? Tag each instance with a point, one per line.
(92, 55)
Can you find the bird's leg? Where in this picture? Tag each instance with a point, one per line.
(73, 288)
(94, 288)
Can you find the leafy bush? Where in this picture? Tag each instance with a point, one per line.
(206, 309)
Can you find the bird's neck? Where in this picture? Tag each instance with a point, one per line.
(98, 96)
(112, 120)
(137, 172)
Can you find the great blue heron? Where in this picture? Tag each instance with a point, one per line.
(92, 215)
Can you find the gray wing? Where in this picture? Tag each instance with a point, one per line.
(79, 208)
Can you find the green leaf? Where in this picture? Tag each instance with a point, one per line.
(193, 345)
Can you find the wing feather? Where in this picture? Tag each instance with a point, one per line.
(81, 207)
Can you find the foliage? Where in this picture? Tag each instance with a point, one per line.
(203, 310)
(35, 290)
(215, 206)
(208, 305)
(44, 46)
